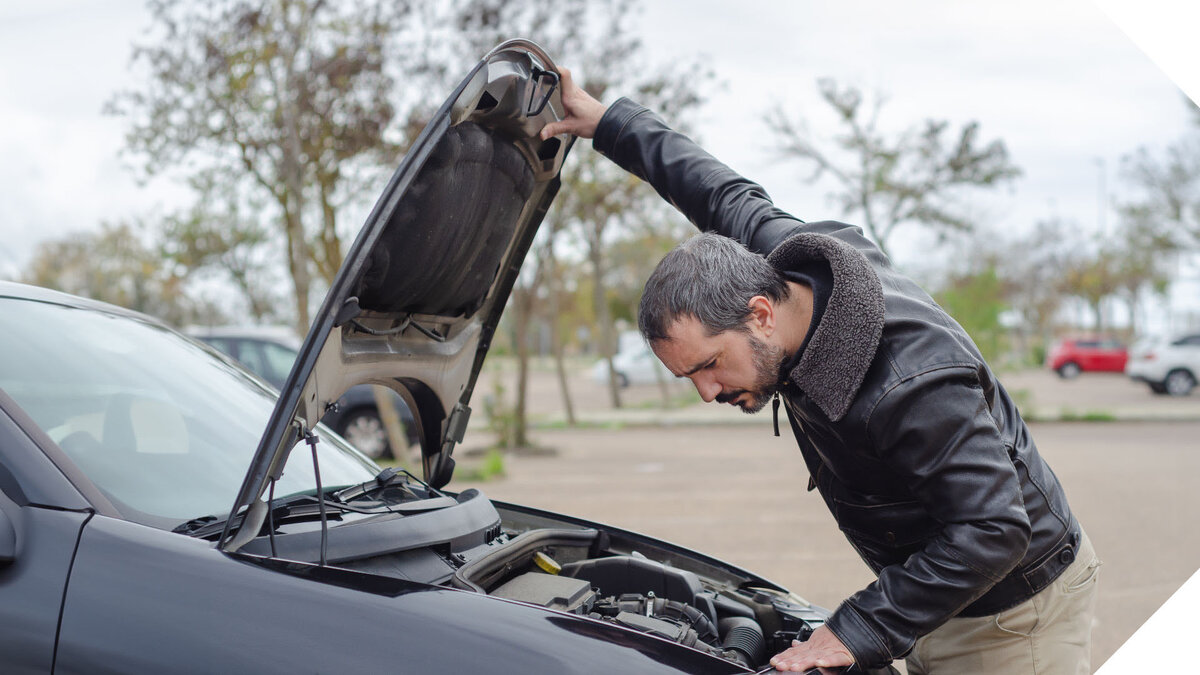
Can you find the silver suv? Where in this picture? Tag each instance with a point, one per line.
(1168, 366)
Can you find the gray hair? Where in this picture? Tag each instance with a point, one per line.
(710, 278)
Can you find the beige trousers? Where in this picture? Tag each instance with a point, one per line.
(1051, 633)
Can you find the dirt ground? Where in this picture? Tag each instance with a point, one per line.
(736, 492)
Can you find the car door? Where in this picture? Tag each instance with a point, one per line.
(1086, 352)
(1188, 348)
(1110, 356)
(37, 544)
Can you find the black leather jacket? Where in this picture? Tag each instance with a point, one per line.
(915, 446)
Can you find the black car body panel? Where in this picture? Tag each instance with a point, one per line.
(32, 585)
(211, 614)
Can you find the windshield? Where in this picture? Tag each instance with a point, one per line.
(162, 427)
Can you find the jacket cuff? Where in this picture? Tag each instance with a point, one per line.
(865, 645)
(608, 131)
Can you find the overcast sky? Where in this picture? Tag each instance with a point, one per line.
(1058, 81)
(1064, 87)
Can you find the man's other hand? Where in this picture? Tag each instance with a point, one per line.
(583, 111)
(821, 650)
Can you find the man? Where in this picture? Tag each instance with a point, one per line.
(918, 452)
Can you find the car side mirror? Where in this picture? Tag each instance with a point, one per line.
(8, 539)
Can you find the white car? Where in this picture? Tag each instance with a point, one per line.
(1168, 366)
(634, 363)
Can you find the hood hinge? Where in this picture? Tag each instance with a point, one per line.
(456, 425)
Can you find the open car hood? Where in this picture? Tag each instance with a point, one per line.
(417, 300)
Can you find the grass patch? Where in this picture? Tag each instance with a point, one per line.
(1069, 415)
(1023, 398)
(489, 467)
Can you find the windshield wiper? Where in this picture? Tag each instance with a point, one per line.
(195, 524)
(341, 499)
(386, 478)
(283, 509)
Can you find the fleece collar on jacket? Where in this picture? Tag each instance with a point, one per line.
(837, 356)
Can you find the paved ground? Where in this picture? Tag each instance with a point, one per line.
(732, 490)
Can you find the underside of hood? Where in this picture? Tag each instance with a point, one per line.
(418, 298)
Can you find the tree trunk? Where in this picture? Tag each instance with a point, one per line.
(397, 439)
(604, 323)
(293, 179)
(523, 303)
(1134, 310)
(298, 268)
(331, 245)
(556, 341)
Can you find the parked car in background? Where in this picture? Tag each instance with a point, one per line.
(1168, 366)
(270, 351)
(634, 363)
(1071, 356)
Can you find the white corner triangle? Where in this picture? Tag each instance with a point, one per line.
(1166, 642)
(1166, 31)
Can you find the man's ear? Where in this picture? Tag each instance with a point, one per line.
(762, 315)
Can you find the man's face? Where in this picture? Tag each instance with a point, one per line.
(732, 367)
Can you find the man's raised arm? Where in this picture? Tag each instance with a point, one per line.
(713, 197)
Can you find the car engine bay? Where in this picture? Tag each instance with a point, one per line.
(403, 529)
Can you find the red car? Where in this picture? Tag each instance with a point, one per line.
(1071, 356)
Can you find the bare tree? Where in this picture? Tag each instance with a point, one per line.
(598, 41)
(115, 265)
(555, 292)
(222, 234)
(1144, 252)
(1032, 266)
(1170, 189)
(890, 181)
(285, 95)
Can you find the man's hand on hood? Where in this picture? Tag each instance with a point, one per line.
(822, 650)
(583, 111)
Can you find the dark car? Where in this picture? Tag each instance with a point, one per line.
(162, 510)
(270, 352)
(1071, 356)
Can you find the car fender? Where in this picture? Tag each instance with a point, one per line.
(143, 600)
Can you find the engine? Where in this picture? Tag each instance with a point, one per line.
(466, 541)
(561, 570)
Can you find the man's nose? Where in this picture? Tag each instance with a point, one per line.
(707, 387)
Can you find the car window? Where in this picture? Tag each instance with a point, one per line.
(228, 347)
(277, 361)
(250, 354)
(165, 430)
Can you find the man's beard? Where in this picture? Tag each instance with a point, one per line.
(767, 360)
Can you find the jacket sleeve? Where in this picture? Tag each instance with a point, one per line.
(936, 432)
(712, 196)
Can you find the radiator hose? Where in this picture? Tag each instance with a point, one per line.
(745, 637)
